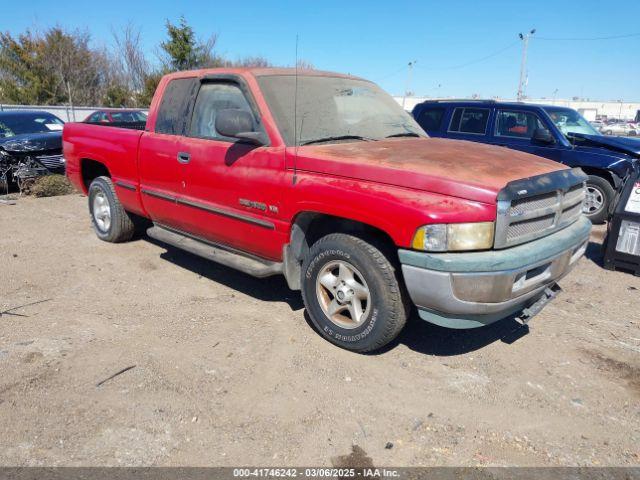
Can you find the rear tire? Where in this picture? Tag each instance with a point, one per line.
(600, 194)
(109, 219)
(352, 293)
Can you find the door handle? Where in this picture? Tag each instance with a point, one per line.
(184, 157)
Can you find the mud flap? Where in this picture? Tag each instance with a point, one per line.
(536, 307)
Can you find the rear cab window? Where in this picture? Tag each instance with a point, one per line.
(173, 114)
(470, 120)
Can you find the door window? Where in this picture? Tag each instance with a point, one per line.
(431, 118)
(511, 123)
(470, 120)
(212, 98)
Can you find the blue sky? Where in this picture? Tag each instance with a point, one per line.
(376, 39)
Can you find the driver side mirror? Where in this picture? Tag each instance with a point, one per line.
(236, 123)
(543, 136)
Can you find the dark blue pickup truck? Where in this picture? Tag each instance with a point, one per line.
(557, 133)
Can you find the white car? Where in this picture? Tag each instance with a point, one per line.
(621, 128)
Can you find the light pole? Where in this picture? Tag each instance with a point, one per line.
(555, 93)
(620, 112)
(406, 90)
(523, 63)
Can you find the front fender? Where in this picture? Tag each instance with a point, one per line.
(617, 165)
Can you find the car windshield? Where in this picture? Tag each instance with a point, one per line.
(21, 123)
(333, 109)
(570, 121)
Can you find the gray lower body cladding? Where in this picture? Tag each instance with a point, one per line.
(468, 290)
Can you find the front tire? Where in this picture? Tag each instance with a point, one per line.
(109, 219)
(352, 293)
(600, 194)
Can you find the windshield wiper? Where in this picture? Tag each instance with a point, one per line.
(403, 134)
(339, 137)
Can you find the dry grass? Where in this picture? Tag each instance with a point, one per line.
(51, 186)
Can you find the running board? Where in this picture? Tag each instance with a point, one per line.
(251, 265)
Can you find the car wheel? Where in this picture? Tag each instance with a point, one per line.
(608, 132)
(352, 293)
(600, 194)
(109, 219)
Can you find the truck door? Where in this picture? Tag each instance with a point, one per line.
(162, 165)
(233, 190)
(514, 129)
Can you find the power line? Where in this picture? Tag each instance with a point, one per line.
(395, 72)
(453, 67)
(479, 60)
(511, 45)
(473, 62)
(586, 39)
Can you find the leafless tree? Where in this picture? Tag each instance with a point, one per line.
(80, 71)
(251, 61)
(130, 58)
(305, 65)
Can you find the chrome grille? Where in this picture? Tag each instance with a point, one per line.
(569, 215)
(523, 205)
(527, 227)
(533, 208)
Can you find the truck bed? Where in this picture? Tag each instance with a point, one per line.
(115, 147)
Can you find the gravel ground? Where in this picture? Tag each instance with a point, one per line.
(224, 369)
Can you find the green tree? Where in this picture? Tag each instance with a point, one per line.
(183, 51)
(151, 82)
(118, 95)
(24, 78)
(53, 67)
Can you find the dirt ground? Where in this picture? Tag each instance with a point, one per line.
(227, 370)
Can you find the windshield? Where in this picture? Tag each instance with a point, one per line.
(570, 121)
(21, 123)
(332, 109)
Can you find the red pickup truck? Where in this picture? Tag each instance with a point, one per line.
(322, 177)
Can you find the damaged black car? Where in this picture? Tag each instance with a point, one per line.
(30, 146)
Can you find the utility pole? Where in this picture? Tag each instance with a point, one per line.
(620, 112)
(406, 90)
(523, 64)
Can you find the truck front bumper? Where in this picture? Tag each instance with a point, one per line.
(469, 290)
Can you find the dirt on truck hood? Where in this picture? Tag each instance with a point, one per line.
(469, 170)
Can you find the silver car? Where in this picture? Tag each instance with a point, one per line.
(619, 128)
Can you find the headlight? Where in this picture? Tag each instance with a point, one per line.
(454, 237)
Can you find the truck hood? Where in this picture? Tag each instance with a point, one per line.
(468, 170)
(626, 145)
(32, 143)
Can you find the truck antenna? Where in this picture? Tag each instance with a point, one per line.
(295, 119)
